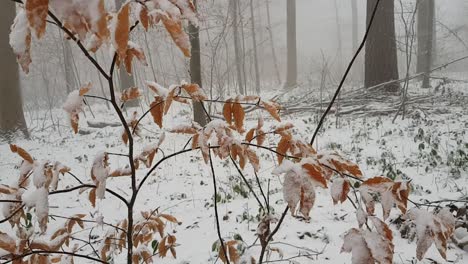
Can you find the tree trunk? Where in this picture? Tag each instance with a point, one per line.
(237, 46)
(272, 42)
(199, 115)
(70, 80)
(254, 43)
(291, 73)
(358, 67)
(11, 105)
(425, 33)
(381, 63)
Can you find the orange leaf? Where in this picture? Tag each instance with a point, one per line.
(92, 197)
(227, 111)
(133, 51)
(181, 39)
(7, 243)
(315, 174)
(239, 115)
(157, 110)
(130, 94)
(283, 147)
(144, 18)
(22, 153)
(36, 10)
(249, 136)
(339, 190)
(272, 108)
(195, 92)
(122, 31)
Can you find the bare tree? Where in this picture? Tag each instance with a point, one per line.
(291, 72)
(425, 33)
(272, 42)
(199, 115)
(237, 46)
(70, 80)
(11, 105)
(381, 63)
(254, 44)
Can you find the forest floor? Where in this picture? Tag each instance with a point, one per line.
(430, 147)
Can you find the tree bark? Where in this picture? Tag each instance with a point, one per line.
(70, 80)
(291, 72)
(254, 43)
(381, 63)
(358, 65)
(425, 33)
(199, 115)
(237, 46)
(11, 105)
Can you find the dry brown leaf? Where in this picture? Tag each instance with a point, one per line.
(238, 115)
(157, 110)
(122, 31)
(144, 18)
(194, 91)
(181, 39)
(7, 243)
(131, 93)
(92, 197)
(250, 134)
(315, 174)
(36, 11)
(272, 108)
(134, 51)
(22, 153)
(283, 147)
(227, 111)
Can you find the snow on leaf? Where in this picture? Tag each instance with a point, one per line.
(339, 164)
(38, 199)
(100, 172)
(238, 116)
(339, 190)
(131, 93)
(175, 30)
(194, 91)
(392, 193)
(74, 105)
(315, 174)
(36, 11)
(432, 228)
(20, 40)
(361, 216)
(157, 89)
(272, 108)
(134, 51)
(355, 244)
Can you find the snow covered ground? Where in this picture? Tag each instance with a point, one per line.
(429, 147)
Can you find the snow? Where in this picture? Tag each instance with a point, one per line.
(182, 185)
(74, 102)
(20, 31)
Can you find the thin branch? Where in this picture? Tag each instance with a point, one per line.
(34, 252)
(218, 228)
